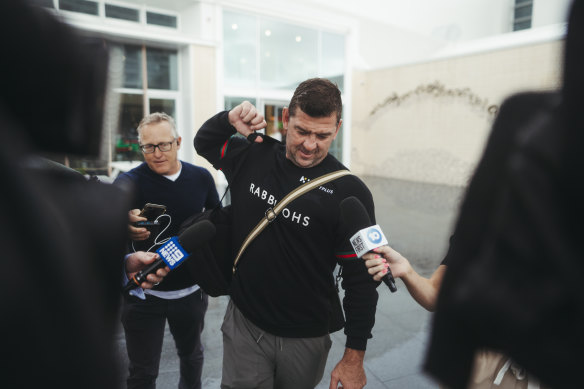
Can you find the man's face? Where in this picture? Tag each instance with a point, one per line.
(161, 162)
(308, 139)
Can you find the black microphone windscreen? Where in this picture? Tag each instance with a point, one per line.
(354, 214)
(196, 235)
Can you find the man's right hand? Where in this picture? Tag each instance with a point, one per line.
(246, 119)
(137, 233)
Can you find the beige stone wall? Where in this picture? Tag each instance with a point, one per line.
(204, 93)
(428, 122)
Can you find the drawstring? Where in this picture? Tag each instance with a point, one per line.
(519, 374)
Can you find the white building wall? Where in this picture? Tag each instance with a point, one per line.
(549, 11)
(428, 122)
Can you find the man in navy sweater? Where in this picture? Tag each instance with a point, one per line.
(184, 189)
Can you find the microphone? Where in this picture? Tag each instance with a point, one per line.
(176, 250)
(367, 237)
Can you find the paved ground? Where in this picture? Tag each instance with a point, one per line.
(417, 220)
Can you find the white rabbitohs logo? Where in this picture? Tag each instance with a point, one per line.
(304, 180)
(292, 215)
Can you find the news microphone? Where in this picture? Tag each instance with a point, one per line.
(175, 251)
(367, 237)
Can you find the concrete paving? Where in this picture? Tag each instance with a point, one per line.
(417, 219)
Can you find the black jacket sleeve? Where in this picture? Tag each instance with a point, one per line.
(361, 295)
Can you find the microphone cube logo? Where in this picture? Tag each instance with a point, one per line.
(172, 253)
(367, 239)
(374, 235)
(357, 243)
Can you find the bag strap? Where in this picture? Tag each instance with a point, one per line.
(251, 138)
(272, 213)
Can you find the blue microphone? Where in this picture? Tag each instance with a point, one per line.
(175, 251)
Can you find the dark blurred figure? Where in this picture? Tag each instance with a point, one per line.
(517, 257)
(62, 236)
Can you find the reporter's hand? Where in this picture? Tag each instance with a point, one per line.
(137, 233)
(140, 260)
(385, 257)
(246, 119)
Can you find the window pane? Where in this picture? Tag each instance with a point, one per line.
(162, 105)
(333, 58)
(522, 25)
(232, 102)
(83, 6)
(160, 19)
(116, 12)
(288, 54)
(239, 49)
(162, 69)
(132, 57)
(126, 147)
(525, 11)
(44, 3)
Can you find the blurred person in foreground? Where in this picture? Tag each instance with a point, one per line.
(282, 307)
(62, 236)
(184, 189)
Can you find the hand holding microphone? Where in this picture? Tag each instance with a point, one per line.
(367, 237)
(138, 261)
(175, 251)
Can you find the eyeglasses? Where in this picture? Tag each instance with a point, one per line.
(164, 146)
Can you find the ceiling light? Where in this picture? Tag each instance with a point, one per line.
(234, 26)
(268, 32)
(298, 38)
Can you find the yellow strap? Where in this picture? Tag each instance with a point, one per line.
(272, 213)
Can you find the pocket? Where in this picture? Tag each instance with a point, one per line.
(228, 325)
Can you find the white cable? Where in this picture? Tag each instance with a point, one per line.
(156, 243)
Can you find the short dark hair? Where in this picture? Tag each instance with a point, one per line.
(317, 97)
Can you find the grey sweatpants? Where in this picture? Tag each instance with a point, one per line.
(255, 359)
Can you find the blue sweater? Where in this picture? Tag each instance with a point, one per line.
(193, 191)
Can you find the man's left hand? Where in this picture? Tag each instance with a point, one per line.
(349, 372)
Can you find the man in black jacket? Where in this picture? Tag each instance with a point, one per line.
(277, 325)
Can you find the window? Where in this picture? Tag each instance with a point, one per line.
(82, 6)
(117, 12)
(240, 48)
(162, 69)
(232, 102)
(333, 58)
(265, 59)
(161, 19)
(288, 54)
(112, 11)
(522, 15)
(44, 3)
(136, 101)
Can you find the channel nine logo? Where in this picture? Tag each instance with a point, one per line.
(172, 253)
(374, 235)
